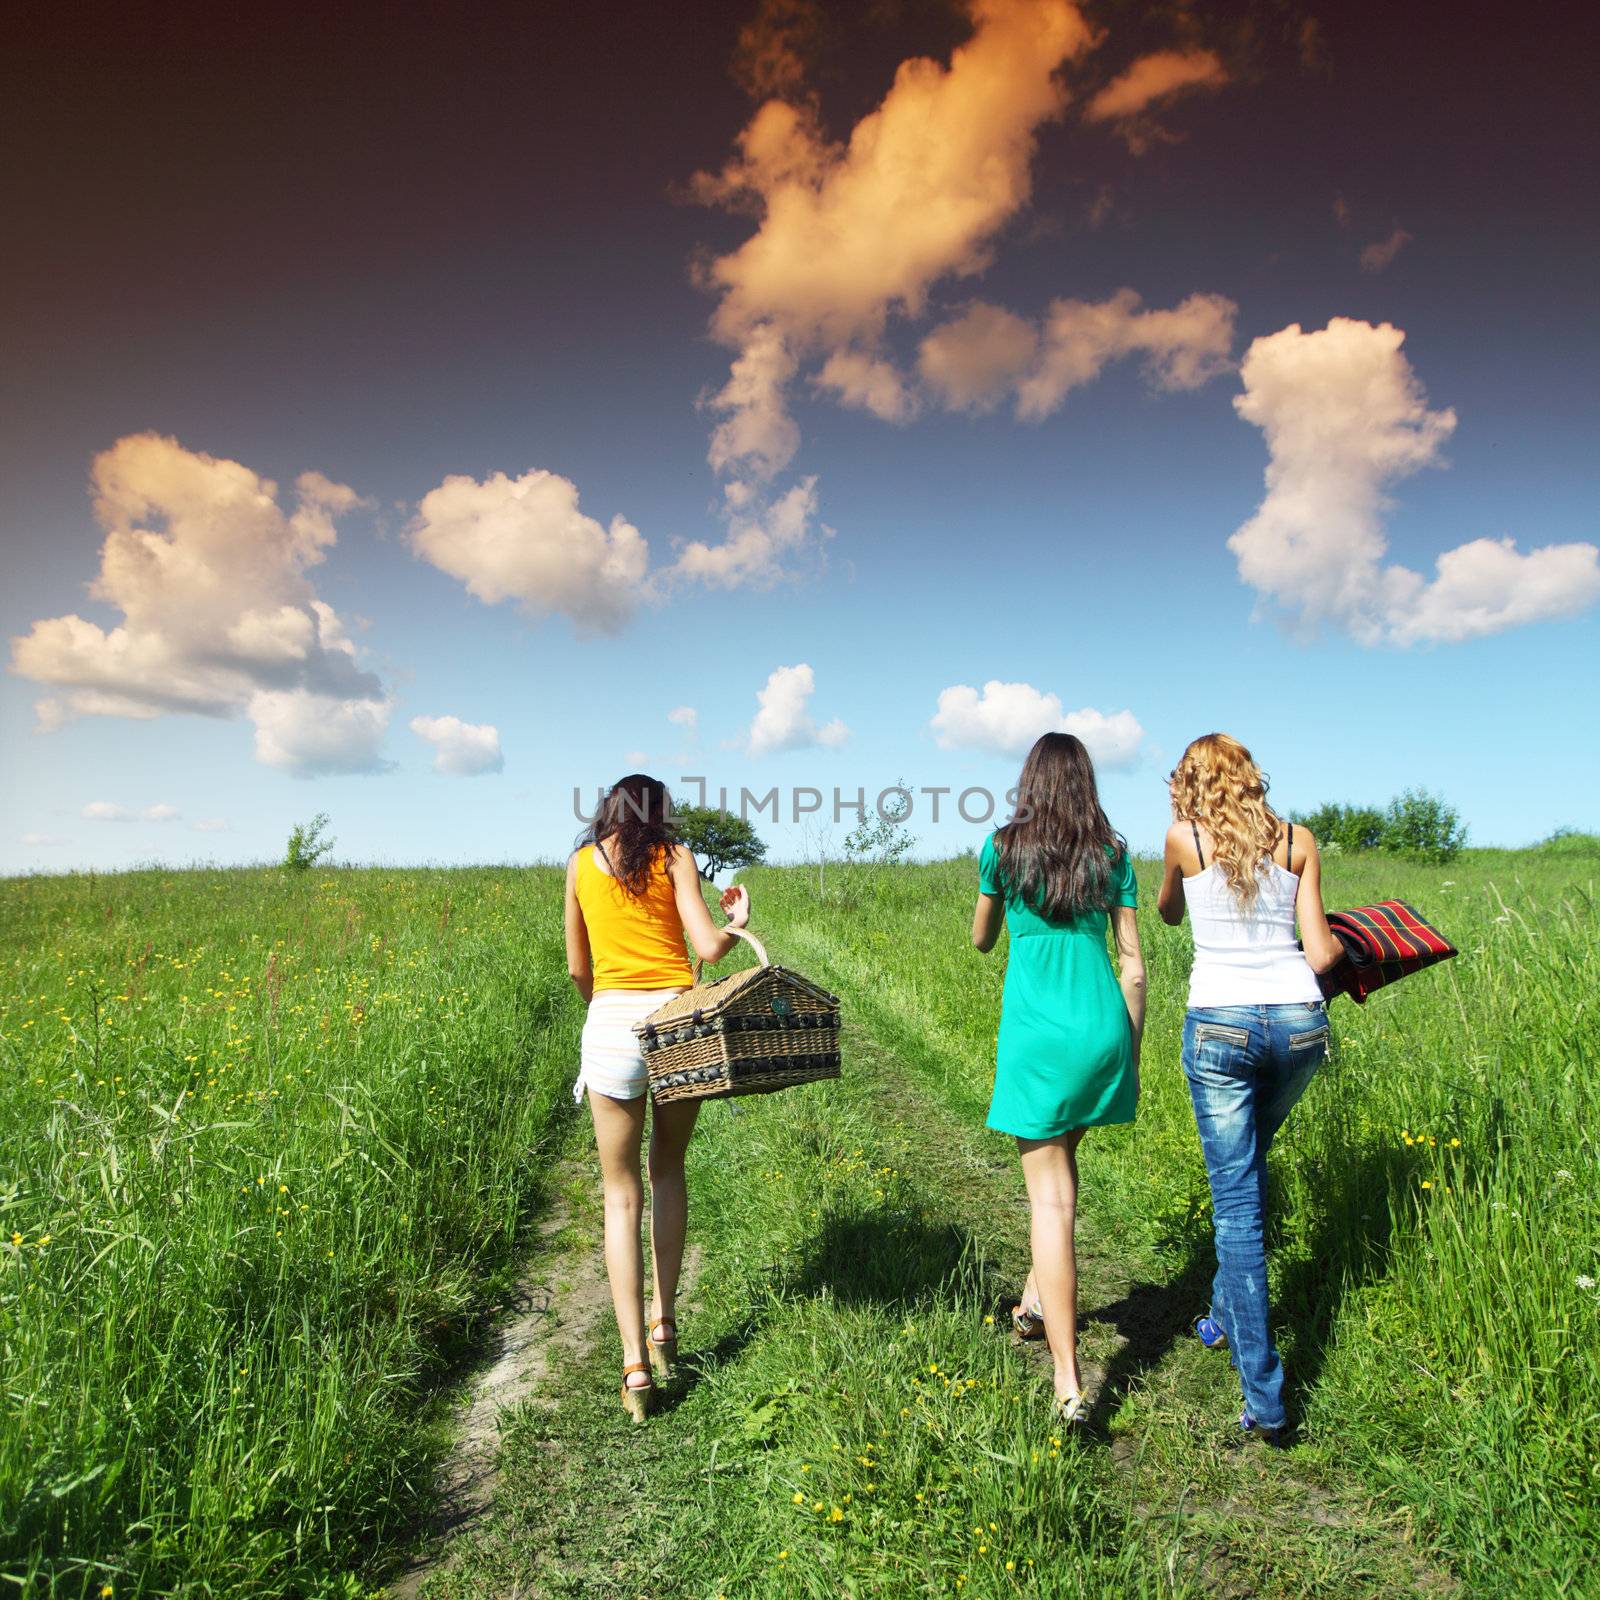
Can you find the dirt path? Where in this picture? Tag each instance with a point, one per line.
(556, 1312)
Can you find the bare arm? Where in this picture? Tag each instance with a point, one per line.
(580, 965)
(987, 920)
(710, 942)
(1130, 970)
(1322, 946)
(1179, 861)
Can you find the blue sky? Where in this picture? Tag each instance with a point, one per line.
(397, 271)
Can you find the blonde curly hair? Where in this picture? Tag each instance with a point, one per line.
(1217, 782)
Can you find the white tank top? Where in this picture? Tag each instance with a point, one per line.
(1247, 957)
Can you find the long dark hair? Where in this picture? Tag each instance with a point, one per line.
(636, 815)
(1057, 852)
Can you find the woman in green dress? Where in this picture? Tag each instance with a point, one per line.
(1056, 875)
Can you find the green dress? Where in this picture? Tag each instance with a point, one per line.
(1064, 1058)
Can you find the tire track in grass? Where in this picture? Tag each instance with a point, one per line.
(856, 1236)
(553, 1314)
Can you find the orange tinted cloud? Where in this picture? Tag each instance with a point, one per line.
(852, 231)
(1158, 76)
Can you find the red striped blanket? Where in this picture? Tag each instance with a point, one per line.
(1383, 942)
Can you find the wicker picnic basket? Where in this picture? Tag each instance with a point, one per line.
(747, 1033)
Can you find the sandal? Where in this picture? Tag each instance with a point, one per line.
(1071, 1409)
(663, 1348)
(1027, 1322)
(638, 1399)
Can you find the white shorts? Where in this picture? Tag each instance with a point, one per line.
(611, 1062)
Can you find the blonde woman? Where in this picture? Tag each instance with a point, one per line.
(1256, 1028)
(633, 892)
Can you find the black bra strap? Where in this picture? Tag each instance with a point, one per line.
(1288, 848)
(1197, 850)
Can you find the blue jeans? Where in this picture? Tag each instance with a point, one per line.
(1247, 1065)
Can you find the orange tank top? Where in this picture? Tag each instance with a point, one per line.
(635, 942)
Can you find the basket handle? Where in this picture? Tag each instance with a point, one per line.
(738, 933)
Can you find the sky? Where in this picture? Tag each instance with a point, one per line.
(426, 417)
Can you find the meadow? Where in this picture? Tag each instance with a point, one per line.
(275, 1144)
(271, 1140)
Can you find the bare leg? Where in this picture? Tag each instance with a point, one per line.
(1050, 1169)
(619, 1132)
(1030, 1292)
(670, 1129)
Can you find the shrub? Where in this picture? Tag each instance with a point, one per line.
(1345, 828)
(1417, 824)
(1570, 842)
(881, 835)
(1423, 826)
(308, 843)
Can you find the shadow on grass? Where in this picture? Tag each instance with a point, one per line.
(896, 1260)
(1347, 1247)
(1151, 1318)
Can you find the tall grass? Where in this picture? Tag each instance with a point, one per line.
(1436, 1195)
(268, 1140)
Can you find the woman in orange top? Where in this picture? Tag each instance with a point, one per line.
(633, 891)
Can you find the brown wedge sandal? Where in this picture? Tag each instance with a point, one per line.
(663, 1350)
(638, 1400)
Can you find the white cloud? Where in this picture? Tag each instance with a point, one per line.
(308, 734)
(1158, 76)
(210, 575)
(1379, 255)
(684, 717)
(1344, 416)
(525, 539)
(106, 811)
(209, 825)
(784, 721)
(758, 541)
(972, 361)
(462, 749)
(160, 812)
(43, 840)
(1486, 586)
(757, 434)
(1007, 718)
(1183, 347)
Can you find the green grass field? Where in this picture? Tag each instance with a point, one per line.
(268, 1142)
(274, 1146)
